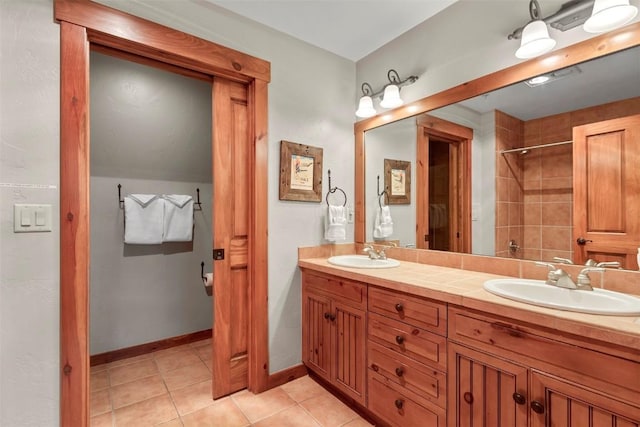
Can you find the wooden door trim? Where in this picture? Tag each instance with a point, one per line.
(81, 23)
(462, 137)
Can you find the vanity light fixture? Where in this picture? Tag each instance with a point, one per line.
(554, 76)
(390, 94)
(535, 35)
(597, 16)
(609, 14)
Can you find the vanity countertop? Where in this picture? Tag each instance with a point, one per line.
(464, 288)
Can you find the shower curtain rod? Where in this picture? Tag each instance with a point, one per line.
(524, 150)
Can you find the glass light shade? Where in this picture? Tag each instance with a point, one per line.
(609, 14)
(535, 40)
(365, 107)
(391, 97)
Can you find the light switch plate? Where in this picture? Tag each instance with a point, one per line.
(30, 218)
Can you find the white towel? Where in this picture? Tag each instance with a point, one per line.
(335, 223)
(144, 214)
(383, 226)
(178, 218)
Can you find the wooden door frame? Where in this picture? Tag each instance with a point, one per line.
(460, 219)
(82, 23)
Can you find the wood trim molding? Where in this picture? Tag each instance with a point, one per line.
(81, 23)
(146, 348)
(282, 377)
(595, 47)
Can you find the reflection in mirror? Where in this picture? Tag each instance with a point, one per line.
(532, 146)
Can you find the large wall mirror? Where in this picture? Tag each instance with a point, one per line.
(519, 171)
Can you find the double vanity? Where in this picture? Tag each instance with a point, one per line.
(419, 344)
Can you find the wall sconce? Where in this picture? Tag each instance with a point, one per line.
(390, 94)
(596, 15)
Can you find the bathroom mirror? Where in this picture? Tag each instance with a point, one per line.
(536, 221)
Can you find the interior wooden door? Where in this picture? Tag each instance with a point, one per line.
(230, 236)
(459, 210)
(606, 179)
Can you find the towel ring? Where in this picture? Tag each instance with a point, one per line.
(334, 189)
(381, 195)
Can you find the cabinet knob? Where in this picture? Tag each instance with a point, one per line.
(399, 339)
(399, 307)
(519, 399)
(327, 315)
(468, 397)
(330, 316)
(399, 372)
(399, 403)
(537, 407)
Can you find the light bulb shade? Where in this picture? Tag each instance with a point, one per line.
(535, 40)
(365, 107)
(609, 14)
(391, 97)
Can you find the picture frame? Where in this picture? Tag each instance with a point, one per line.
(397, 181)
(300, 172)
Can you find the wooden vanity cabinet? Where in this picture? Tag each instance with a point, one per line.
(407, 363)
(504, 373)
(333, 331)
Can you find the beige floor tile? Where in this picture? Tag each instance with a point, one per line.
(359, 422)
(179, 359)
(100, 402)
(166, 351)
(291, 417)
(193, 397)
(132, 372)
(98, 368)
(187, 375)
(259, 406)
(104, 420)
(99, 380)
(137, 391)
(205, 352)
(223, 413)
(201, 343)
(173, 423)
(129, 360)
(303, 389)
(149, 412)
(328, 410)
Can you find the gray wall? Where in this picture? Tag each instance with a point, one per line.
(151, 133)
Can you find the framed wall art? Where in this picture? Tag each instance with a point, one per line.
(300, 172)
(397, 181)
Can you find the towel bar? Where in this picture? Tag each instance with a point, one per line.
(197, 205)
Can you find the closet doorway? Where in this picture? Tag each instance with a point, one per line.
(443, 206)
(239, 161)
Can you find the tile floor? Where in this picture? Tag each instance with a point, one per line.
(172, 387)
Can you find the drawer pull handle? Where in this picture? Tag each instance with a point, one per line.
(519, 399)
(399, 403)
(399, 372)
(468, 397)
(399, 307)
(399, 339)
(537, 407)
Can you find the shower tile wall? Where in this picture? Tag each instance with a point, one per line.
(545, 178)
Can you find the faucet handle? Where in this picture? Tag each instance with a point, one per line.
(550, 266)
(562, 260)
(615, 264)
(583, 280)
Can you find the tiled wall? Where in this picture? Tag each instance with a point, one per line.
(545, 179)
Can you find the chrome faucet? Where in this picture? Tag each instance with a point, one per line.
(557, 276)
(380, 254)
(584, 281)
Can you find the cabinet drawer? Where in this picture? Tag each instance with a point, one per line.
(416, 343)
(344, 290)
(390, 404)
(416, 311)
(572, 360)
(418, 381)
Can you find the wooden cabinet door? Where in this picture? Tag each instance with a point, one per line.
(482, 388)
(563, 404)
(316, 332)
(349, 368)
(606, 180)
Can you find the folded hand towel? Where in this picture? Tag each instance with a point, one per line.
(335, 223)
(383, 226)
(178, 218)
(143, 215)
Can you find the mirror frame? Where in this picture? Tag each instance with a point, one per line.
(596, 47)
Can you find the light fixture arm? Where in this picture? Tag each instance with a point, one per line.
(394, 79)
(570, 15)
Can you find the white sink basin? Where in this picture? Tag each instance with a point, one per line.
(537, 292)
(362, 261)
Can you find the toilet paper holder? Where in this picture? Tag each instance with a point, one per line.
(208, 288)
